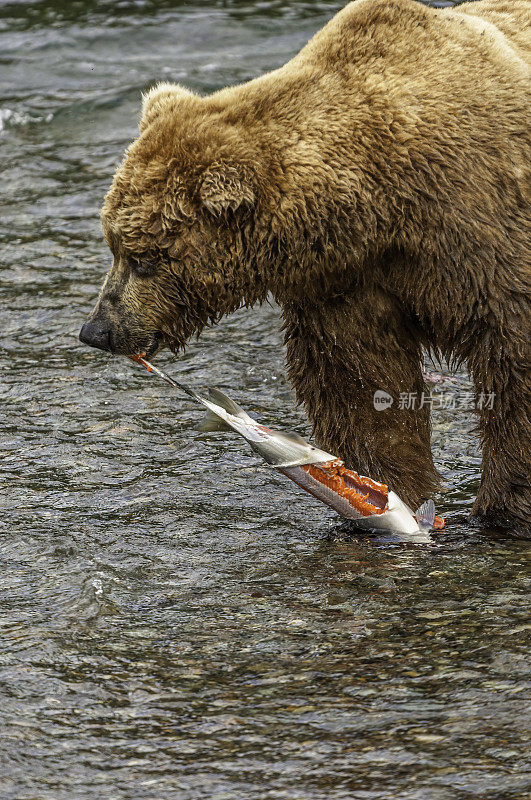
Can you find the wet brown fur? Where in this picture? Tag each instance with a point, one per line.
(378, 186)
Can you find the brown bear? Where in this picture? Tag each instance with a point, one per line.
(376, 185)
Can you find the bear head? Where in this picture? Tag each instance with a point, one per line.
(180, 221)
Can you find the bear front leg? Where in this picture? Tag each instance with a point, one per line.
(340, 352)
(501, 373)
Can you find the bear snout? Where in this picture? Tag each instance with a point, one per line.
(97, 333)
(116, 338)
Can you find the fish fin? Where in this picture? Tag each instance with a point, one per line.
(292, 437)
(212, 422)
(221, 399)
(425, 515)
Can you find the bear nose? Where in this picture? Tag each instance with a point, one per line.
(96, 333)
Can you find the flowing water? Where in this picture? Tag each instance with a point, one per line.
(176, 620)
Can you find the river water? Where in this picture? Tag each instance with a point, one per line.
(177, 621)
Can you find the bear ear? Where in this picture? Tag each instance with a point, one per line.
(225, 188)
(162, 98)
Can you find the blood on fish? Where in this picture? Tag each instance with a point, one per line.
(368, 497)
(140, 360)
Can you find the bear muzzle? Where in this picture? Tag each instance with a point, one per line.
(97, 333)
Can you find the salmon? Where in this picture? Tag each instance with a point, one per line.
(369, 503)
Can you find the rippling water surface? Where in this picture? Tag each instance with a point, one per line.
(177, 621)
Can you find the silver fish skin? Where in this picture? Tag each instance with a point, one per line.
(280, 450)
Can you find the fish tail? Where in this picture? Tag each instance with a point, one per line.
(425, 515)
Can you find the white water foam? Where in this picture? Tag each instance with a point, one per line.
(10, 118)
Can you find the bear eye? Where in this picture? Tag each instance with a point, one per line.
(142, 266)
